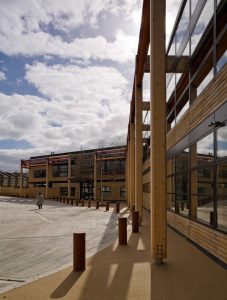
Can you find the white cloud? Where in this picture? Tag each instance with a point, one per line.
(88, 104)
(25, 29)
(2, 76)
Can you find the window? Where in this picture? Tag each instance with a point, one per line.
(39, 173)
(63, 191)
(39, 184)
(60, 171)
(122, 191)
(222, 196)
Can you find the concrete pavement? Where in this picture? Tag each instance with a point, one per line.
(34, 242)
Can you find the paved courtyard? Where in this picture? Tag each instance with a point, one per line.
(34, 243)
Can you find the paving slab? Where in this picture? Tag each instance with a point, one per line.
(36, 242)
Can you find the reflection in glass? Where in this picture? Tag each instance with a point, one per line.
(205, 82)
(222, 61)
(222, 196)
(171, 87)
(205, 192)
(222, 142)
(182, 26)
(182, 111)
(182, 161)
(182, 190)
(205, 150)
(193, 5)
(202, 23)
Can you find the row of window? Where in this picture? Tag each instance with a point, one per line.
(197, 180)
(107, 167)
(202, 22)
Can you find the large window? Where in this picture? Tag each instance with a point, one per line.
(60, 171)
(39, 173)
(63, 191)
(197, 180)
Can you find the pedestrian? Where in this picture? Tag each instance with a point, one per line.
(39, 200)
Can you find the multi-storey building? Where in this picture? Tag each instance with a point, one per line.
(177, 141)
(89, 174)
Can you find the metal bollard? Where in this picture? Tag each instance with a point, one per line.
(135, 222)
(72, 202)
(53, 198)
(57, 198)
(117, 207)
(78, 252)
(182, 206)
(60, 199)
(82, 203)
(97, 204)
(107, 206)
(67, 200)
(63, 199)
(77, 202)
(122, 231)
(89, 203)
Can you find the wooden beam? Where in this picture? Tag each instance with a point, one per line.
(146, 105)
(132, 164)
(146, 127)
(158, 131)
(138, 153)
(174, 64)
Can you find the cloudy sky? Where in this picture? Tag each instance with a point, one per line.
(66, 74)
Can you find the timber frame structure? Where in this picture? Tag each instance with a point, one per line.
(176, 162)
(97, 174)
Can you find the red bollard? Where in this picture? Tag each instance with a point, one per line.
(122, 231)
(135, 221)
(97, 204)
(117, 207)
(78, 252)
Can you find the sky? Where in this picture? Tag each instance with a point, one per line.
(66, 74)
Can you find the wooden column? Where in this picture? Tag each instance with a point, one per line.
(138, 152)
(132, 164)
(158, 130)
(69, 176)
(21, 179)
(47, 177)
(95, 177)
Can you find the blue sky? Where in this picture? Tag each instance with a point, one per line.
(66, 74)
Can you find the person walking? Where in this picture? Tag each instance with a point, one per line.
(39, 200)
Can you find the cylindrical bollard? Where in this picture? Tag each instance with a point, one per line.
(182, 206)
(77, 202)
(67, 200)
(107, 206)
(60, 199)
(78, 252)
(82, 202)
(71, 201)
(57, 198)
(117, 207)
(122, 231)
(63, 199)
(133, 208)
(97, 204)
(89, 203)
(135, 221)
(53, 198)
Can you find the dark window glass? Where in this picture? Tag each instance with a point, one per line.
(39, 173)
(60, 171)
(63, 191)
(122, 191)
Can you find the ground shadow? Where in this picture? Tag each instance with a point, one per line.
(66, 285)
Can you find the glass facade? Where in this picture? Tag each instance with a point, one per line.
(197, 51)
(197, 180)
